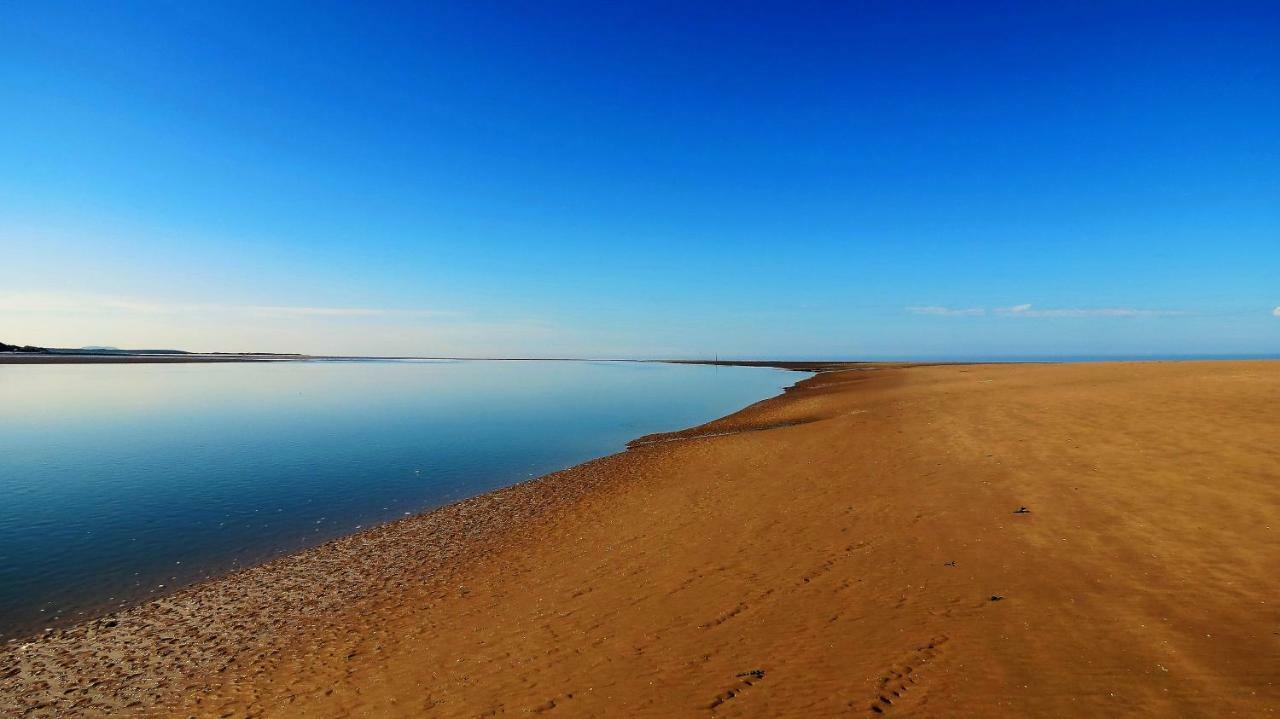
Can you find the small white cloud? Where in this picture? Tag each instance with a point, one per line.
(1026, 310)
(1276, 312)
(938, 311)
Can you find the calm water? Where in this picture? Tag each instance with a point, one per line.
(115, 479)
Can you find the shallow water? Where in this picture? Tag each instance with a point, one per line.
(116, 479)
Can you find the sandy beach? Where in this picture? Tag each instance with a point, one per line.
(1038, 540)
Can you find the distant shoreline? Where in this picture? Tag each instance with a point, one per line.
(127, 357)
(144, 358)
(56, 358)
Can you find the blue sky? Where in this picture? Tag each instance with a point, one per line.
(865, 179)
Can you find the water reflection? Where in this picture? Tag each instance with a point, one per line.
(120, 478)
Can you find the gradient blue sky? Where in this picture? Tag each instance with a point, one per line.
(864, 179)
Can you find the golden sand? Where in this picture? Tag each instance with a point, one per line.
(852, 548)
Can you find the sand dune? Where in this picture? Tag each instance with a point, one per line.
(852, 548)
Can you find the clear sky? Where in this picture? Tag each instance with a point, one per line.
(860, 179)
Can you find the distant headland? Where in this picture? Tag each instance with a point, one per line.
(30, 354)
(29, 349)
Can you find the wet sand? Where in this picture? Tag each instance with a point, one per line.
(851, 548)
